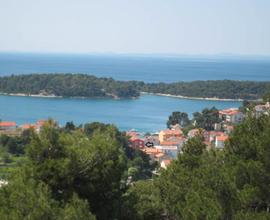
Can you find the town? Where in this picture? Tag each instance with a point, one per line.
(164, 146)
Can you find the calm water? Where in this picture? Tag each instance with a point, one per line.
(148, 69)
(148, 113)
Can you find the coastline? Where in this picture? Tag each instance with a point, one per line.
(55, 96)
(30, 95)
(192, 98)
(142, 93)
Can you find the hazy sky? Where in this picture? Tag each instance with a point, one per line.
(136, 26)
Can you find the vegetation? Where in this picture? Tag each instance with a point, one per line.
(83, 173)
(223, 89)
(201, 184)
(82, 85)
(66, 169)
(67, 85)
(12, 151)
(205, 119)
(180, 118)
(266, 97)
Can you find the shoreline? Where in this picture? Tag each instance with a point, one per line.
(30, 95)
(61, 97)
(142, 93)
(193, 98)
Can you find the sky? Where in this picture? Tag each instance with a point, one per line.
(136, 26)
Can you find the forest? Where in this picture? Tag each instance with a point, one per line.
(222, 89)
(67, 85)
(83, 173)
(82, 85)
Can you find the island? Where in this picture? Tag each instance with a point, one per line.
(89, 86)
(66, 85)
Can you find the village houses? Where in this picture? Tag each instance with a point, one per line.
(135, 140)
(169, 133)
(37, 126)
(231, 115)
(7, 125)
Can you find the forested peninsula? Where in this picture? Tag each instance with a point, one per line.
(67, 85)
(88, 86)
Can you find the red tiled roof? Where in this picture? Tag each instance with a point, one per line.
(27, 126)
(7, 124)
(230, 111)
(169, 143)
(152, 151)
(172, 132)
(233, 113)
(222, 138)
(41, 122)
(136, 140)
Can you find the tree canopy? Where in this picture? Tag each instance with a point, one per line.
(180, 118)
(82, 174)
(67, 85)
(83, 85)
(216, 184)
(206, 119)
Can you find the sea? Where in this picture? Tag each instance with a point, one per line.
(148, 113)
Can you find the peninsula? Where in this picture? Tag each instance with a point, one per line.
(88, 86)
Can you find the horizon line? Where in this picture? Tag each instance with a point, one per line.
(180, 55)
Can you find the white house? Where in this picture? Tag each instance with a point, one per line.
(232, 115)
(171, 151)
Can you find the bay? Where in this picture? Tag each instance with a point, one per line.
(146, 114)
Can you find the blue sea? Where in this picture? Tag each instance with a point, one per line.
(148, 113)
(138, 67)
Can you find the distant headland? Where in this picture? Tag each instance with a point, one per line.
(88, 86)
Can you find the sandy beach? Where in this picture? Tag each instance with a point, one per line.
(142, 93)
(192, 98)
(31, 95)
